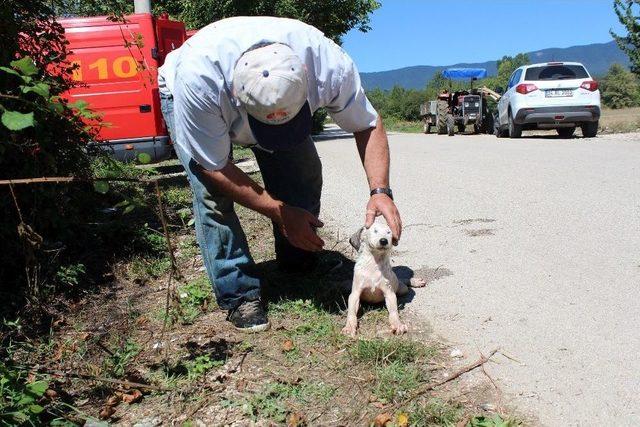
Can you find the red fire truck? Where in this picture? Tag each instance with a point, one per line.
(118, 64)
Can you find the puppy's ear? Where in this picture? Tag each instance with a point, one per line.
(356, 239)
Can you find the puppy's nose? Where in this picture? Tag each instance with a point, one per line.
(384, 242)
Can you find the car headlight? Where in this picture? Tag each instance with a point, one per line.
(477, 104)
(466, 104)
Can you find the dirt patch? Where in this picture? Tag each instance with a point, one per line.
(480, 232)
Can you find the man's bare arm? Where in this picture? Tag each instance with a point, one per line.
(373, 147)
(295, 223)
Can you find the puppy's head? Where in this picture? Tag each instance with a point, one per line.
(377, 238)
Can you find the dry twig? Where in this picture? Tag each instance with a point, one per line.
(429, 387)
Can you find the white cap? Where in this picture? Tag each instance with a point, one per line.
(271, 83)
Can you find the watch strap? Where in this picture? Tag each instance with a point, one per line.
(382, 190)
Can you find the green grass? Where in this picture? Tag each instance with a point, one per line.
(434, 412)
(140, 269)
(240, 152)
(392, 124)
(395, 380)
(386, 351)
(195, 299)
(312, 323)
(272, 402)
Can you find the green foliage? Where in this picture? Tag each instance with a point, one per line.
(195, 298)
(628, 15)
(121, 357)
(333, 17)
(398, 103)
(70, 275)
(20, 399)
(319, 117)
(506, 66)
(40, 135)
(495, 421)
(200, 366)
(620, 88)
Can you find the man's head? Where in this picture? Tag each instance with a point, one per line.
(271, 83)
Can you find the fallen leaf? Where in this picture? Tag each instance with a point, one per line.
(295, 419)
(287, 345)
(378, 405)
(382, 419)
(134, 396)
(106, 412)
(51, 394)
(402, 420)
(113, 400)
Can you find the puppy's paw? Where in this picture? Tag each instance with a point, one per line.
(350, 330)
(398, 328)
(416, 282)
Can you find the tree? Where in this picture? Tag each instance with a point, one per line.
(506, 66)
(619, 88)
(630, 44)
(333, 17)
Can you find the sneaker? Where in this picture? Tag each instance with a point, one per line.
(249, 317)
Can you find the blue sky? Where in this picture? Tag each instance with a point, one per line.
(403, 31)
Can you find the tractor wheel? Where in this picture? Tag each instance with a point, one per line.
(441, 117)
(450, 125)
(487, 124)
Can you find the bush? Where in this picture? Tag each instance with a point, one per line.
(619, 88)
(41, 135)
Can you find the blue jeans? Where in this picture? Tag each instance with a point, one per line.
(293, 176)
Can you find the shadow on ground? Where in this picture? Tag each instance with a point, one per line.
(328, 286)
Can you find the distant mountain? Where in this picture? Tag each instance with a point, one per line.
(597, 58)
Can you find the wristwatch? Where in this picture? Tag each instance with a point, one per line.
(386, 191)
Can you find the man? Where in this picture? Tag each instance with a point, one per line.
(256, 81)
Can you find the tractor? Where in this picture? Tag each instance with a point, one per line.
(458, 109)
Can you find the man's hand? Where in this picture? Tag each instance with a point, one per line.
(297, 225)
(381, 204)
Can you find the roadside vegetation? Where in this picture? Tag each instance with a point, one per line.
(143, 344)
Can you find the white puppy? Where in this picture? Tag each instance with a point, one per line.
(373, 279)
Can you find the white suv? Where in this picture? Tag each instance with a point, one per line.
(554, 95)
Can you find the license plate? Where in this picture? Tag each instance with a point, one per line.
(558, 93)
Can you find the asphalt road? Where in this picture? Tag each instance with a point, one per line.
(532, 245)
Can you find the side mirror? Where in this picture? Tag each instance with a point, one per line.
(499, 90)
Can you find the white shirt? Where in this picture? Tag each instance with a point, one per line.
(199, 75)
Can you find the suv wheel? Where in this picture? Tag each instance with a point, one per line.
(590, 129)
(515, 130)
(566, 132)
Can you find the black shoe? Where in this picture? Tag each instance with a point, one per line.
(249, 317)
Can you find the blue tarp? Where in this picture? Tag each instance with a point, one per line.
(465, 73)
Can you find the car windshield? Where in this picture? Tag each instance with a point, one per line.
(556, 72)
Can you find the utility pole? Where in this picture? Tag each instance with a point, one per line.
(142, 6)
